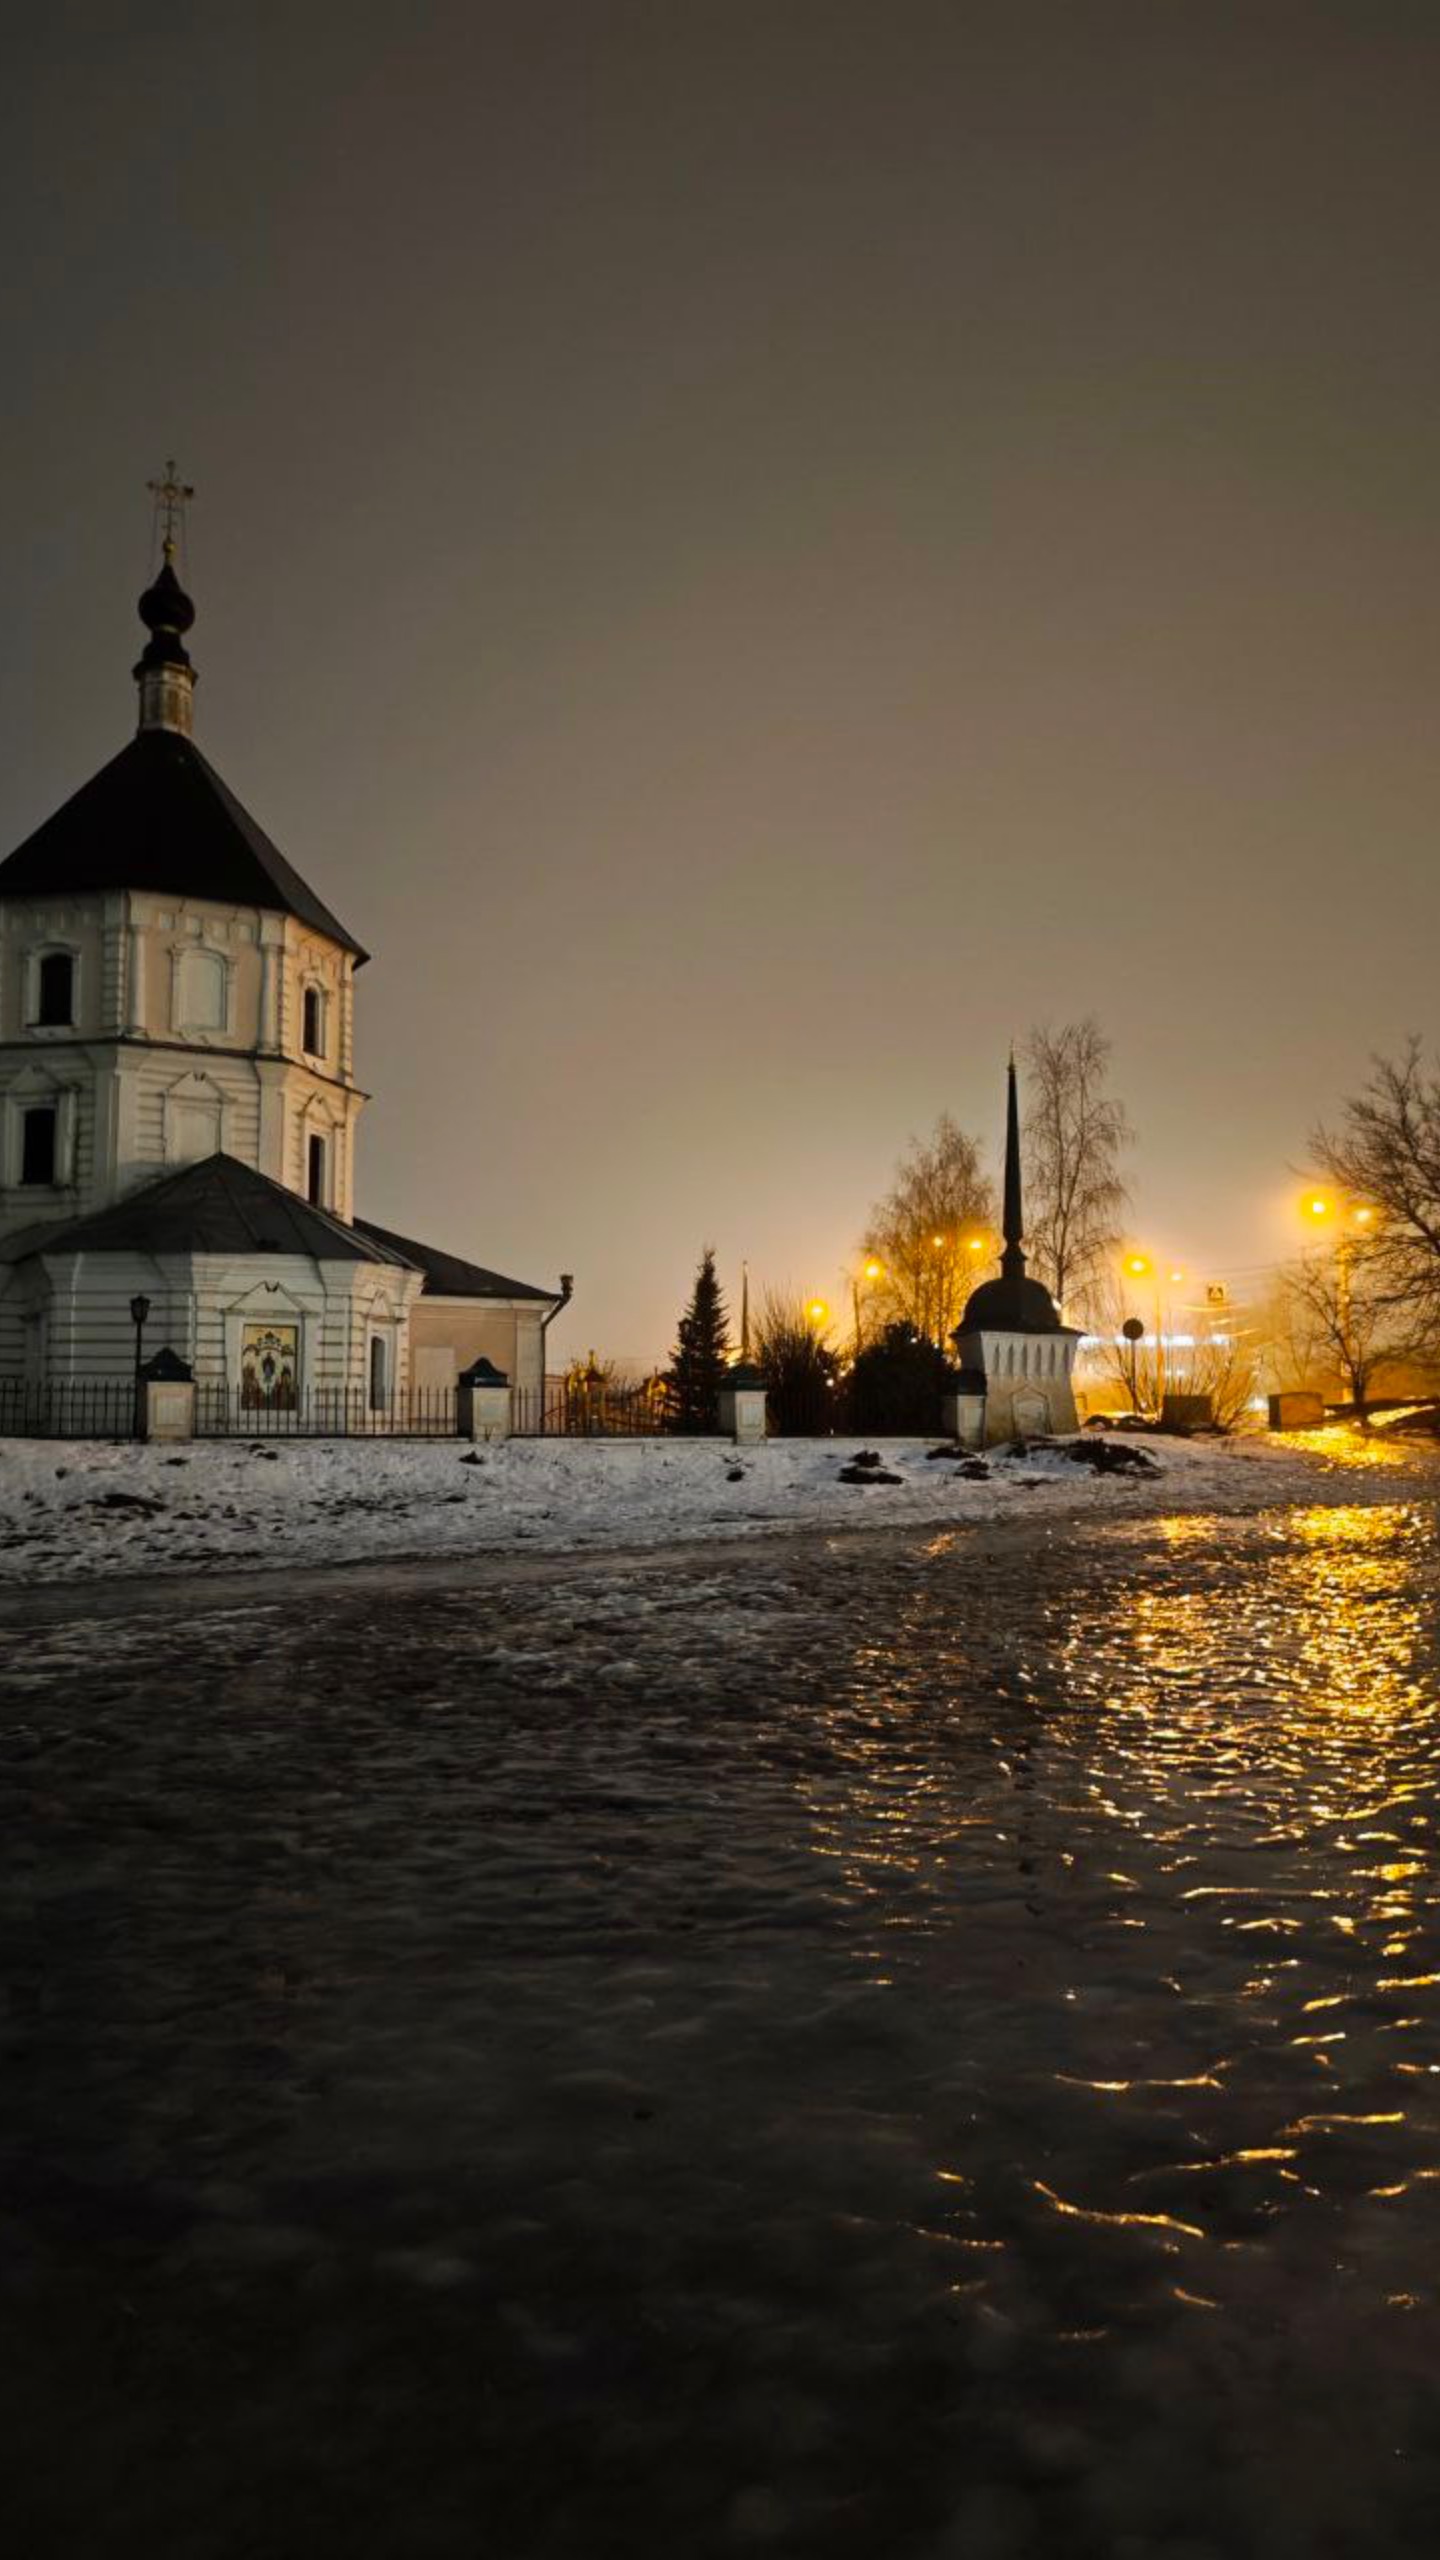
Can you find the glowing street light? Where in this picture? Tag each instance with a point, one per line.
(818, 1312)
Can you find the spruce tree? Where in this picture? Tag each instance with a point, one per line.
(698, 1363)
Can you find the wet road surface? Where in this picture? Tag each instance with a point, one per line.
(921, 2046)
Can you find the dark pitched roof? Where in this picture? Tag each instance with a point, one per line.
(446, 1276)
(216, 1206)
(158, 817)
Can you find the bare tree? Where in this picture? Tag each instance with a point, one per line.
(1220, 1359)
(1386, 1156)
(1074, 1136)
(800, 1366)
(1340, 1319)
(930, 1233)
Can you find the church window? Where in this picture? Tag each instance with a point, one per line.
(379, 1373)
(312, 1032)
(315, 1172)
(56, 989)
(37, 1149)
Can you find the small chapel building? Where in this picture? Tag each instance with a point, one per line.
(1016, 1358)
(179, 1106)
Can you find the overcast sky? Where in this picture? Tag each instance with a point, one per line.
(752, 552)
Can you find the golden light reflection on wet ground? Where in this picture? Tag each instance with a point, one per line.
(1194, 1872)
(927, 2049)
(1345, 1444)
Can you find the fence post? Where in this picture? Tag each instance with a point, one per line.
(962, 1410)
(167, 1398)
(742, 1404)
(482, 1402)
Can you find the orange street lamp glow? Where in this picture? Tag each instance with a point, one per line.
(1318, 1208)
(1177, 1276)
(1137, 1264)
(873, 1270)
(977, 1244)
(1363, 1217)
(817, 1311)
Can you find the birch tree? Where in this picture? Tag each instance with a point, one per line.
(1075, 1135)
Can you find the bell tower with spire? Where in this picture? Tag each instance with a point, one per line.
(178, 1105)
(170, 988)
(1016, 1357)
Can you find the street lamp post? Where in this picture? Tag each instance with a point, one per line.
(1140, 1267)
(1133, 1330)
(873, 1271)
(139, 1310)
(1349, 1215)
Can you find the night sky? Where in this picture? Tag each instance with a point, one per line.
(752, 552)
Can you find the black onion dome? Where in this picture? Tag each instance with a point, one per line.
(166, 606)
(167, 612)
(1012, 1304)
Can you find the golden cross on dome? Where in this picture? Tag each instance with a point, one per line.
(170, 496)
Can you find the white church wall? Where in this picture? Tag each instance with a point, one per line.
(180, 951)
(447, 1334)
(332, 1307)
(529, 1369)
(1027, 1381)
(89, 1332)
(29, 927)
(157, 981)
(21, 1322)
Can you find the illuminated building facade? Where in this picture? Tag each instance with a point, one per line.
(178, 1102)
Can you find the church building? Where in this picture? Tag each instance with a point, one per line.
(178, 1101)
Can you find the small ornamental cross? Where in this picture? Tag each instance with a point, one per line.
(170, 496)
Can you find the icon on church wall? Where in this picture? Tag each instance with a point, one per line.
(269, 1365)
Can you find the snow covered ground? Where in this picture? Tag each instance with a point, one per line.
(72, 1509)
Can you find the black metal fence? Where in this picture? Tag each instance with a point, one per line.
(565, 1412)
(81, 1409)
(325, 1413)
(104, 1409)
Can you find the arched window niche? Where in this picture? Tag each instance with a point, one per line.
(52, 988)
(312, 1022)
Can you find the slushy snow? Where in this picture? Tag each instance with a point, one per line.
(81, 1509)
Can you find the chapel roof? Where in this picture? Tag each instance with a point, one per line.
(158, 817)
(216, 1206)
(446, 1276)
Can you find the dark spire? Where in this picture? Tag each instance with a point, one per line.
(1012, 1260)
